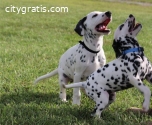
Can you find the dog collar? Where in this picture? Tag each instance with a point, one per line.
(92, 51)
(139, 49)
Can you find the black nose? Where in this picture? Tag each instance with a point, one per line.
(108, 14)
(130, 15)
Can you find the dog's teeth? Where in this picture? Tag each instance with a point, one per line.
(102, 27)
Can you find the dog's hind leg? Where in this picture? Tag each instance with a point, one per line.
(101, 100)
(112, 97)
(136, 81)
(63, 80)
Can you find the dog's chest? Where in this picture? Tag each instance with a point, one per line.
(83, 62)
(93, 63)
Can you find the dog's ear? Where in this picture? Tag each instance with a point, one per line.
(79, 29)
(116, 48)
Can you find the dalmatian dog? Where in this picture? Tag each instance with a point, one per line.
(128, 70)
(78, 62)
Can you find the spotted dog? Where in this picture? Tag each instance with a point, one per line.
(78, 62)
(128, 70)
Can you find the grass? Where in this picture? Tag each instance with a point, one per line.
(31, 45)
(135, 1)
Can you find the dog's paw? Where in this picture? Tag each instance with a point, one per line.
(64, 100)
(95, 116)
(76, 102)
(145, 107)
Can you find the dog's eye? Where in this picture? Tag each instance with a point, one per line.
(94, 15)
(121, 26)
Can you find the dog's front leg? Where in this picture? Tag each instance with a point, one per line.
(76, 91)
(137, 82)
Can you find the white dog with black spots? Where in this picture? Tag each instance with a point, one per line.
(129, 70)
(78, 62)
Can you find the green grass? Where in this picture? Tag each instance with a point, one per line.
(31, 45)
(135, 1)
(144, 1)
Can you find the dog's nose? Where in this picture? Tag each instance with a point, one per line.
(108, 14)
(130, 15)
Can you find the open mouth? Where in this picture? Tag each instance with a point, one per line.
(102, 27)
(134, 26)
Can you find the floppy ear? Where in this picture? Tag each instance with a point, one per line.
(116, 48)
(79, 29)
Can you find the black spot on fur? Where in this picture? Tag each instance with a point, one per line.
(88, 84)
(116, 68)
(96, 82)
(128, 69)
(103, 75)
(108, 85)
(125, 64)
(112, 78)
(98, 71)
(99, 93)
(64, 75)
(114, 87)
(94, 15)
(101, 109)
(121, 26)
(116, 81)
(93, 59)
(107, 65)
(123, 77)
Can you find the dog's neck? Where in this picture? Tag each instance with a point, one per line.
(122, 44)
(93, 41)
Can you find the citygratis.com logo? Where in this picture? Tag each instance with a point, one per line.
(35, 9)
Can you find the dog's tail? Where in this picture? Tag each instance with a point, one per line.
(54, 72)
(76, 85)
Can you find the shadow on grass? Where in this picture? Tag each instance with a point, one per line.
(37, 108)
(29, 97)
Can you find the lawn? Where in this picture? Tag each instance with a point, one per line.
(31, 45)
(133, 1)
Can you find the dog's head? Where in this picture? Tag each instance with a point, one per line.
(96, 22)
(125, 35)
